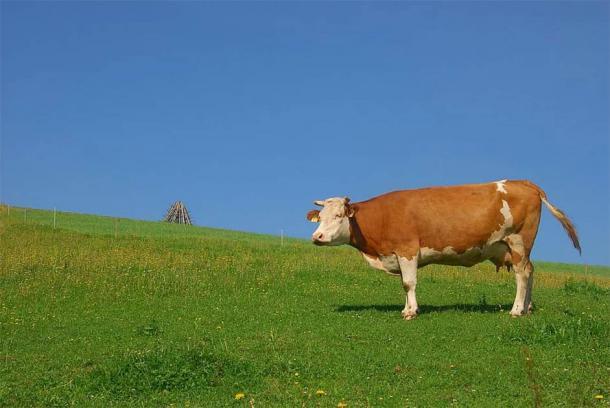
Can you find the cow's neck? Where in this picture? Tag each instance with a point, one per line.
(357, 239)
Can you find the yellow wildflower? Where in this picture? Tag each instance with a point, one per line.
(599, 396)
(239, 395)
(319, 393)
(341, 405)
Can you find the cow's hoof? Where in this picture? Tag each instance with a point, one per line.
(516, 314)
(408, 314)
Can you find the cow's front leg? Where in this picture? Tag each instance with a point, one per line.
(408, 273)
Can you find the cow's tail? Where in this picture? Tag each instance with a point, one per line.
(563, 219)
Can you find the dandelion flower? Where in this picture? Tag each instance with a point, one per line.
(599, 396)
(319, 393)
(341, 405)
(239, 395)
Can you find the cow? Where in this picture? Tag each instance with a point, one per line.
(401, 231)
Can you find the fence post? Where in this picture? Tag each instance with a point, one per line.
(281, 237)
(54, 216)
(115, 228)
(25, 215)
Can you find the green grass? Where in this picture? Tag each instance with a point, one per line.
(131, 313)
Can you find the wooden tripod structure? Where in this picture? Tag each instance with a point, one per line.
(178, 214)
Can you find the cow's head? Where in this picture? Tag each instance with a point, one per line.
(334, 221)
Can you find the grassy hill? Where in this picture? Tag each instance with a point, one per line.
(106, 312)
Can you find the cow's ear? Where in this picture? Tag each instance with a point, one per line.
(313, 216)
(349, 210)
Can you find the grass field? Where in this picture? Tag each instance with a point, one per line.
(105, 312)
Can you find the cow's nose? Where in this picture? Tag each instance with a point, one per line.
(317, 236)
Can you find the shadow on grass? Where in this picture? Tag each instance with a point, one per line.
(458, 307)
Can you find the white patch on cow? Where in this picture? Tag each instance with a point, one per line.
(427, 254)
(516, 243)
(505, 227)
(500, 186)
(388, 263)
(373, 261)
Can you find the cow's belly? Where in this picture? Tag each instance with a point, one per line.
(497, 252)
(388, 264)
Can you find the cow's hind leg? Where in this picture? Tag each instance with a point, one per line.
(524, 275)
(408, 273)
(530, 284)
(521, 246)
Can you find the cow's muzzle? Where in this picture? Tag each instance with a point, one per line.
(317, 239)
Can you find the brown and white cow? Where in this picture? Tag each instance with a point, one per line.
(401, 231)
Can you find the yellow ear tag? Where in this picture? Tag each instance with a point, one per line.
(315, 218)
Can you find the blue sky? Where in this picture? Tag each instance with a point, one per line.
(249, 111)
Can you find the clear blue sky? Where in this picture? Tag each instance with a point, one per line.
(249, 111)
